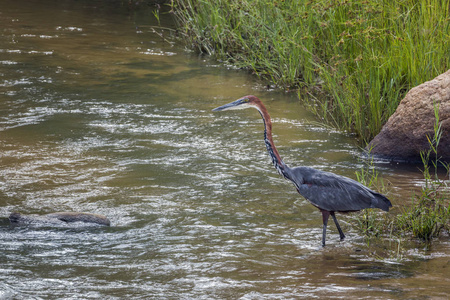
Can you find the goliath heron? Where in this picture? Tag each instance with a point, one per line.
(328, 192)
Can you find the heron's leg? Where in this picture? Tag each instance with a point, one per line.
(341, 233)
(325, 216)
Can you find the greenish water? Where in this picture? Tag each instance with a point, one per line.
(100, 114)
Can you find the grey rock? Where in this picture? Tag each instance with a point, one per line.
(58, 218)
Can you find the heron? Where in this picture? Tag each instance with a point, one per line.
(327, 191)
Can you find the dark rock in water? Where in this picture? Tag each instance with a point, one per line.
(58, 218)
(404, 136)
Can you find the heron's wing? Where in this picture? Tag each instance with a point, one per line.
(332, 192)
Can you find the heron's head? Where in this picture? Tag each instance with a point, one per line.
(242, 103)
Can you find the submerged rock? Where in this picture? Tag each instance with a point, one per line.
(59, 218)
(404, 136)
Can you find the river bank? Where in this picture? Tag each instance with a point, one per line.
(101, 114)
(350, 62)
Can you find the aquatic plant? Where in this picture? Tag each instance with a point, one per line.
(350, 61)
(430, 210)
(370, 222)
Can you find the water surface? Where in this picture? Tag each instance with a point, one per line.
(98, 113)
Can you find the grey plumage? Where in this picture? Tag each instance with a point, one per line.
(328, 192)
(333, 192)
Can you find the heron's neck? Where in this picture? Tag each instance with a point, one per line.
(273, 152)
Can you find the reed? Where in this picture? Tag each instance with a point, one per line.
(351, 62)
(372, 222)
(429, 212)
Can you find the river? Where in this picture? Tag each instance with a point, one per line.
(104, 110)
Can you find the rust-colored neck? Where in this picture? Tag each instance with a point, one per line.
(273, 152)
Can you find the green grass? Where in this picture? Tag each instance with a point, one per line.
(428, 215)
(429, 212)
(372, 222)
(350, 61)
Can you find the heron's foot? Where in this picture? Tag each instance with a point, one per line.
(342, 237)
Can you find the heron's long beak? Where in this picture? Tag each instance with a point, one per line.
(238, 104)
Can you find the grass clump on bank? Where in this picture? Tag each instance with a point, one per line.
(429, 213)
(426, 217)
(351, 61)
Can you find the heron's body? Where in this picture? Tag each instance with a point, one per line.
(327, 191)
(333, 192)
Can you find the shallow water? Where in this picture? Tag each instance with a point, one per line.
(100, 114)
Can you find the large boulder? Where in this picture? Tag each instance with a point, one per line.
(404, 136)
